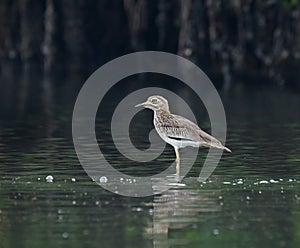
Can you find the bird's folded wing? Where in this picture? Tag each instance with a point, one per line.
(180, 127)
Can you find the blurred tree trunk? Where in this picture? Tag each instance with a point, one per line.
(137, 19)
(49, 46)
(9, 29)
(163, 23)
(31, 29)
(185, 39)
(200, 21)
(111, 32)
(76, 46)
(296, 53)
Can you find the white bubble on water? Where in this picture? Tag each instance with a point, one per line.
(103, 179)
(65, 235)
(263, 182)
(49, 179)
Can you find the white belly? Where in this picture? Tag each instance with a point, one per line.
(179, 143)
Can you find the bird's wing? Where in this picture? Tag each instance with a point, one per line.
(180, 127)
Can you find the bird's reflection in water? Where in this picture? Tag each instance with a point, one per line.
(178, 208)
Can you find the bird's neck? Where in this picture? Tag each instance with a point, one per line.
(162, 112)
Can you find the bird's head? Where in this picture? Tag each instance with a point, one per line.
(155, 103)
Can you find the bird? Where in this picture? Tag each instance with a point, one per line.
(176, 130)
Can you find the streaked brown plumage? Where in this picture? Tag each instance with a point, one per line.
(177, 130)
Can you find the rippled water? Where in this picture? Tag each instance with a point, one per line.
(251, 200)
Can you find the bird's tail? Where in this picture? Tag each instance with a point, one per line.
(218, 145)
(226, 149)
(211, 141)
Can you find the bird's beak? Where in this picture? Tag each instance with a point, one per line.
(140, 105)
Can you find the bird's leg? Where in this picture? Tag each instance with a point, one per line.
(177, 155)
(177, 162)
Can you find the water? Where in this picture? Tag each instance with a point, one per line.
(251, 200)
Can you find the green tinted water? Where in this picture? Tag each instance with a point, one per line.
(251, 200)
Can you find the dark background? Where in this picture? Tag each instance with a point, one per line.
(253, 41)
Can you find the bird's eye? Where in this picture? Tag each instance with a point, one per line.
(154, 100)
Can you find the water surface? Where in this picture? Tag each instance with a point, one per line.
(251, 200)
